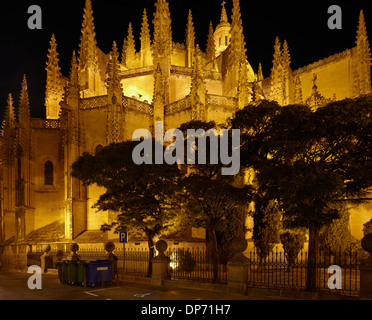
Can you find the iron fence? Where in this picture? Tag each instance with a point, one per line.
(274, 272)
(195, 265)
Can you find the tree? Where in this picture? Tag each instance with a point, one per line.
(266, 227)
(143, 195)
(211, 200)
(293, 243)
(336, 238)
(307, 160)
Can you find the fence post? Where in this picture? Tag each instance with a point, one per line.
(160, 264)
(238, 267)
(366, 269)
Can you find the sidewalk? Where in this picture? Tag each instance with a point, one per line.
(13, 286)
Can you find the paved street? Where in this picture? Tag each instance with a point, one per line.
(13, 286)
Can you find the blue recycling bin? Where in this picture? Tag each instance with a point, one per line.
(98, 271)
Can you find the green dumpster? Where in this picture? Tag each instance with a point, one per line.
(72, 272)
(59, 266)
(80, 272)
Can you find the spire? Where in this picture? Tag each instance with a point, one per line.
(277, 79)
(236, 15)
(362, 28)
(55, 86)
(24, 103)
(363, 60)
(224, 13)
(286, 57)
(190, 41)
(211, 46)
(145, 32)
(52, 68)
(277, 53)
(287, 74)
(8, 145)
(130, 47)
(162, 29)
(237, 36)
(113, 70)
(146, 53)
(73, 88)
(260, 76)
(9, 115)
(190, 31)
(88, 43)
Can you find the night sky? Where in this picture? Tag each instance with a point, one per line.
(302, 24)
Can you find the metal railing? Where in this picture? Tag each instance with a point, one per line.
(195, 265)
(274, 272)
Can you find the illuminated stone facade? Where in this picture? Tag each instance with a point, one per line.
(105, 99)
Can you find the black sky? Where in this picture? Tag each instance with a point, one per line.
(302, 24)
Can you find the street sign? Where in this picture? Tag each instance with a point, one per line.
(123, 237)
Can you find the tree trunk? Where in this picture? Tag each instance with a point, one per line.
(151, 245)
(214, 253)
(313, 258)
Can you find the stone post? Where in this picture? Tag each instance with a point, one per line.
(238, 267)
(43, 266)
(160, 264)
(110, 247)
(74, 249)
(366, 269)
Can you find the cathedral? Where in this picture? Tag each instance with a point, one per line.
(107, 96)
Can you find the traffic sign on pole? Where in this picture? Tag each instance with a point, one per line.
(123, 237)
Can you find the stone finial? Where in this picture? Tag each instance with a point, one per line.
(367, 246)
(161, 246)
(74, 249)
(110, 247)
(46, 248)
(239, 245)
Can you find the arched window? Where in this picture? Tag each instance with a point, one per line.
(48, 173)
(99, 148)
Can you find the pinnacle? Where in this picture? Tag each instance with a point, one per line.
(224, 13)
(362, 28)
(9, 116)
(24, 100)
(24, 104)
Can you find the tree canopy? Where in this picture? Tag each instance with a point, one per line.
(142, 195)
(307, 160)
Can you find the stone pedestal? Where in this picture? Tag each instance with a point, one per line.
(365, 281)
(238, 268)
(160, 265)
(366, 269)
(43, 258)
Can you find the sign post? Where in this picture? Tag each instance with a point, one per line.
(123, 239)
